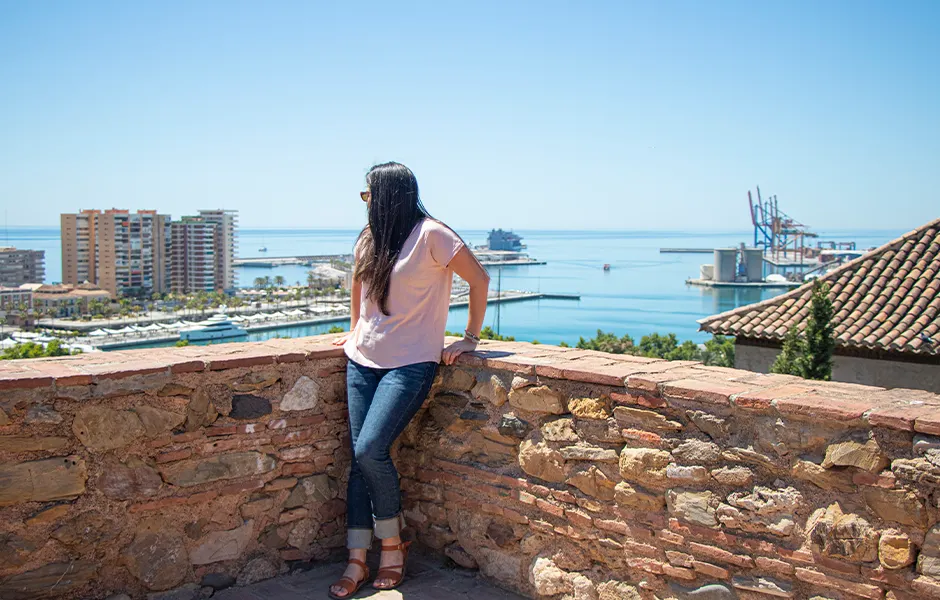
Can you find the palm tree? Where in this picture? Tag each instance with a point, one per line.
(267, 281)
(259, 282)
(279, 280)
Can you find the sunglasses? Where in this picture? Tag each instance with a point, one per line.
(365, 196)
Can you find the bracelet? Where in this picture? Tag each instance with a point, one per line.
(469, 336)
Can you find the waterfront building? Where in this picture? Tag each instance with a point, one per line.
(886, 319)
(193, 250)
(21, 266)
(226, 245)
(122, 252)
(66, 300)
(12, 298)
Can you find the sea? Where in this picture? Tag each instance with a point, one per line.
(644, 291)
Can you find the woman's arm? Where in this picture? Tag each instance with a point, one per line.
(354, 297)
(470, 270)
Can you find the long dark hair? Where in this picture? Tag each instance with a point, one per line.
(394, 210)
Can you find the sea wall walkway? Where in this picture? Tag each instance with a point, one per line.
(557, 473)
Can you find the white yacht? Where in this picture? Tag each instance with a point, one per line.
(217, 327)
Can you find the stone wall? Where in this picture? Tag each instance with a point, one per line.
(149, 470)
(559, 473)
(577, 475)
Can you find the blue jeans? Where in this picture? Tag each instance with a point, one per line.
(381, 404)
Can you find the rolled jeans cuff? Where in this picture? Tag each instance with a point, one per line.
(388, 528)
(358, 539)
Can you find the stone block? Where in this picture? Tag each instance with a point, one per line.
(764, 510)
(304, 395)
(101, 428)
(65, 577)
(590, 408)
(899, 506)
(560, 430)
(59, 478)
(31, 443)
(538, 460)
(895, 550)
(548, 579)
(40, 414)
(157, 422)
(157, 558)
(828, 479)
(492, 390)
(928, 562)
(200, 411)
(225, 466)
(222, 545)
(867, 456)
(586, 452)
(628, 496)
(733, 476)
(698, 508)
(713, 426)
(697, 452)
(686, 475)
(513, 427)
(255, 381)
(843, 536)
(636, 418)
(128, 481)
(592, 481)
(458, 380)
(537, 399)
(246, 407)
(645, 466)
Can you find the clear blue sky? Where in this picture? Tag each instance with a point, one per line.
(560, 115)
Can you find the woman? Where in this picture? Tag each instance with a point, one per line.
(405, 262)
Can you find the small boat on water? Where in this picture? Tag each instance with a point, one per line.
(216, 327)
(607, 266)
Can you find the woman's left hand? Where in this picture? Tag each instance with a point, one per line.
(456, 349)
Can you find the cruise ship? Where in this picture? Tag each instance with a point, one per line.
(217, 327)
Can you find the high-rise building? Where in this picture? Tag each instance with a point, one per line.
(226, 245)
(193, 250)
(78, 247)
(21, 266)
(122, 252)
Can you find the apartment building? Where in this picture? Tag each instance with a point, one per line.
(193, 252)
(21, 266)
(226, 247)
(122, 252)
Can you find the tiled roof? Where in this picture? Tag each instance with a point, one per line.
(888, 299)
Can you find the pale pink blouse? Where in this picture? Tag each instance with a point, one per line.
(418, 302)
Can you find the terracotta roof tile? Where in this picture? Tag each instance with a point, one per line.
(888, 299)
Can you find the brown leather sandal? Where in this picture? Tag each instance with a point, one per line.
(396, 573)
(349, 585)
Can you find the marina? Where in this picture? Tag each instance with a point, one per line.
(222, 327)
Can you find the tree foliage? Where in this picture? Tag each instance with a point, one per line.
(810, 356)
(34, 350)
(718, 351)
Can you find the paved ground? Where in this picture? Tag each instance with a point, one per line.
(427, 580)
